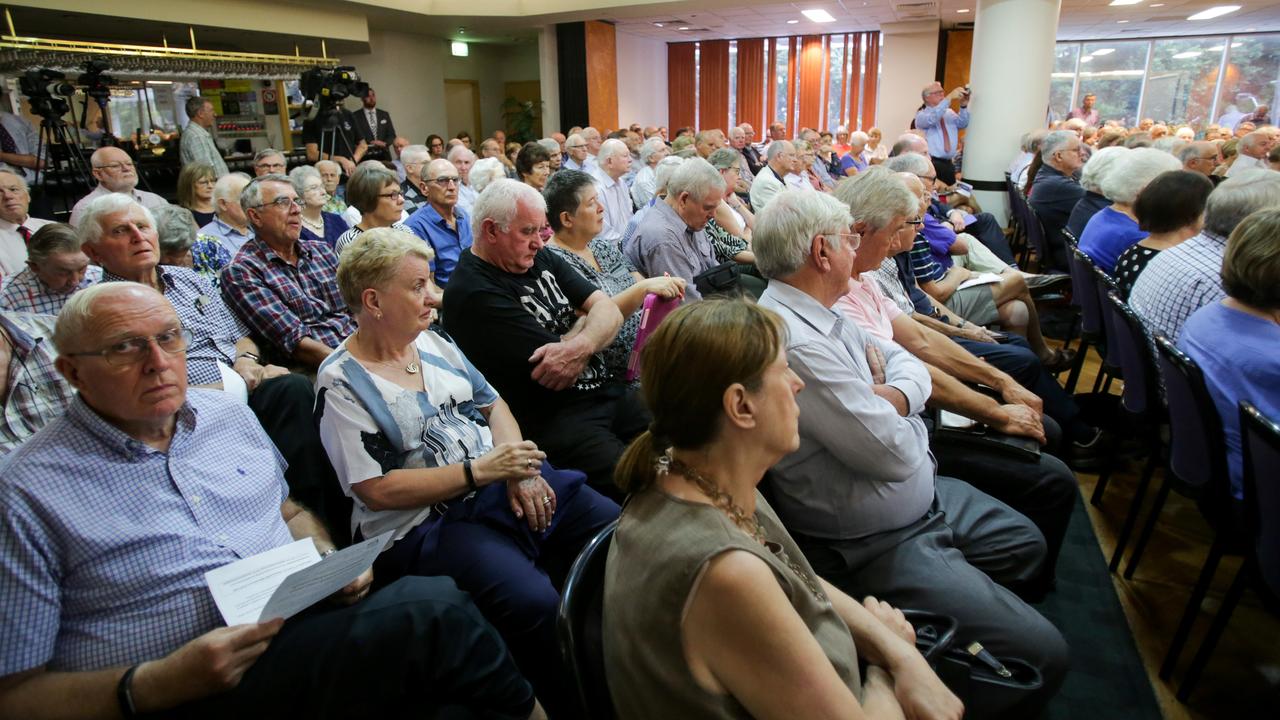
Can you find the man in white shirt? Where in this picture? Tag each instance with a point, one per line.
(780, 160)
(462, 159)
(17, 132)
(114, 171)
(1253, 153)
(16, 224)
(613, 161)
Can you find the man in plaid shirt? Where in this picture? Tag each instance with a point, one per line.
(31, 390)
(56, 269)
(284, 288)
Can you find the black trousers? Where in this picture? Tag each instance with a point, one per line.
(946, 170)
(286, 406)
(989, 233)
(590, 436)
(417, 647)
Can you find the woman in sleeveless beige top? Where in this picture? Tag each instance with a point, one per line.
(710, 609)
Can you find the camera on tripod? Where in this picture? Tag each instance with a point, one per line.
(325, 89)
(96, 83)
(47, 91)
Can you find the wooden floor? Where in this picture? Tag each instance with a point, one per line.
(1242, 680)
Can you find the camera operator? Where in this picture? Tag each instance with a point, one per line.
(347, 151)
(329, 130)
(18, 142)
(942, 126)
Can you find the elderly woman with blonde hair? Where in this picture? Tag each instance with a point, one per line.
(429, 452)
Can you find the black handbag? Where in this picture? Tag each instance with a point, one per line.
(723, 279)
(989, 687)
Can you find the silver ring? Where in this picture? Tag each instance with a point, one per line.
(546, 500)
(529, 463)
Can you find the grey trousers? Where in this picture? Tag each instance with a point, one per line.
(954, 561)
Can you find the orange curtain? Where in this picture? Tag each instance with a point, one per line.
(751, 74)
(792, 68)
(713, 85)
(771, 83)
(812, 62)
(852, 80)
(871, 80)
(681, 86)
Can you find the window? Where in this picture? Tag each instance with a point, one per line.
(1251, 77)
(733, 83)
(1113, 71)
(780, 58)
(1062, 84)
(1181, 80)
(835, 89)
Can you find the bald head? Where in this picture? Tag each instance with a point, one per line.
(113, 169)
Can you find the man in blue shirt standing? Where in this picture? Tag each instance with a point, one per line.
(441, 222)
(942, 126)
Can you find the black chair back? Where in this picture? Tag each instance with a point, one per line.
(580, 626)
(1084, 292)
(1260, 441)
(1070, 237)
(1197, 450)
(1037, 240)
(1129, 344)
(1106, 285)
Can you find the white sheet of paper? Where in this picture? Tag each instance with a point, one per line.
(241, 589)
(948, 419)
(305, 587)
(979, 279)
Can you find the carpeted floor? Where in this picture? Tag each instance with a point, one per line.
(1107, 678)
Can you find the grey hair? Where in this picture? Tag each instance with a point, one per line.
(876, 197)
(1250, 140)
(251, 195)
(913, 163)
(724, 158)
(177, 229)
(1055, 141)
(1101, 162)
(775, 148)
(1031, 141)
(265, 153)
(1190, 151)
(1168, 144)
(610, 148)
(326, 163)
(500, 202)
(662, 173)
(857, 137)
(417, 154)
(456, 151)
(801, 145)
(548, 144)
(569, 140)
(1240, 196)
(90, 227)
(300, 175)
(76, 325)
(194, 104)
(229, 186)
(9, 171)
(485, 171)
(694, 176)
(786, 226)
(651, 146)
(735, 129)
(52, 239)
(1134, 171)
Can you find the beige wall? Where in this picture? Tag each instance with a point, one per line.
(493, 66)
(908, 62)
(407, 72)
(642, 80)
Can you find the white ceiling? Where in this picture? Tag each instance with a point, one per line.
(1080, 19)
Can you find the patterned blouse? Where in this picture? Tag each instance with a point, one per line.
(613, 277)
(725, 244)
(1132, 261)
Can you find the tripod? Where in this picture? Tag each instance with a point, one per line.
(54, 132)
(329, 134)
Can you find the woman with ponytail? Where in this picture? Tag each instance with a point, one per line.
(710, 609)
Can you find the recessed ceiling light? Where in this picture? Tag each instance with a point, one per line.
(682, 28)
(1214, 12)
(963, 10)
(657, 24)
(1103, 51)
(1121, 22)
(1188, 54)
(1086, 58)
(1125, 2)
(1156, 5)
(792, 22)
(819, 16)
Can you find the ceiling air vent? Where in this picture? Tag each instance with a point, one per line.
(916, 10)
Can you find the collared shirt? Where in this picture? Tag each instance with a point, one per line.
(448, 242)
(201, 310)
(617, 204)
(104, 541)
(208, 257)
(25, 137)
(13, 247)
(466, 197)
(861, 468)
(1179, 281)
(37, 391)
(230, 238)
(414, 198)
(1089, 117)
(587, 165)
(663, 243)
(149, 200)
(285, 302)
(940, 119)
(1018, 168)
(26, 292)
(868, 308)
(644, 186)
(197, 146)
(764, 187)
(1244, 162)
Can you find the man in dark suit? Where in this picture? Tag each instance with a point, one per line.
(374, 126)
(1056, 190)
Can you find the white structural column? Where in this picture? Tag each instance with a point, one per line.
(1009, 76)
(549, 77)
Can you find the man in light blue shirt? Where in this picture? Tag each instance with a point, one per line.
(861, 496)
(441, 222)
(229, 227)
(942, 126)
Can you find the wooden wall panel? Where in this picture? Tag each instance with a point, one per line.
(751, 74)
(958, 58)
(602, 75)
(681, 86)
(812, 65)
(871, 81)
(713, 85)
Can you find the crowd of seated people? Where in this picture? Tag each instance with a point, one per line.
(411, 338)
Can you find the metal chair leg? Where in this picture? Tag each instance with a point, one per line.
(1193, 607)
(1215, 633)
(1104, 475)
(1148, 528)
(1077, 366)
(1135, 507)
(1106, 386)
(1097, 380)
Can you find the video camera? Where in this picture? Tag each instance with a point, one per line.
(97, 84)
(47, 91)
(324, 89)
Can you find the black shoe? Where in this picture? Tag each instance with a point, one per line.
(1088, 455)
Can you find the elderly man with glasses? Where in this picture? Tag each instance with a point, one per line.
(444, 225)
(268, 161)
(285, 288)
(115, 173)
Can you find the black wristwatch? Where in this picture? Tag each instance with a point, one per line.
(471, 479)
(124, 694)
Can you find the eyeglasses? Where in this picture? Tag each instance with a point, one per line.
(283, 201)
(574, 147)
(916, 221)
(134, 350)
(393, 195)
(115, 166)
(270, 166)
(849, 237)
(450, 180)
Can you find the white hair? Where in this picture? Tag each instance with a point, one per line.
(500, 202)
(1100, 163)
(569, 141)
(662, 173)
(550, 145)
(777, 148)
(785, 229)
(90, 227)
(230, 185)
(251, 195)
(20, 176)
(876, 197)
(913, 163)
(651, 146)
(416, 154)
(695, 176)
(325, 163)
(455, 152)
(857, 137)
(1240, 196)
(300, 175)
(1134, 170)
(1055, 141)
(75, 326)
(610, 148)
(485, 171)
